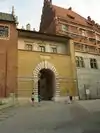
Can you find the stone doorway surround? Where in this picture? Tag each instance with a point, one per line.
(46, 65)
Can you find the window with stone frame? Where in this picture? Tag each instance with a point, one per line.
(86, 48)
(77, 46)
(91, 34)
(42, 48)
(4, 31)
(54, 49)
(82, 47)
(64, 27)
(98, 37)
(29, 47)
(93, 63)
(92, 49)
(92, 41)
(80, 61)
(83, 32)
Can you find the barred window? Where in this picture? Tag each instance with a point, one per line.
(4, 31)
(93, 63)
(79, 61)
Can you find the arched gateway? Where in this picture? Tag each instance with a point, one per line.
(46, 67)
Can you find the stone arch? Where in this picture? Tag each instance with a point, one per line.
(46, 65)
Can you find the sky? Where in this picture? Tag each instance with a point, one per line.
(29, 11)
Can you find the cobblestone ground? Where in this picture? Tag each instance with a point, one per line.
(49, 117)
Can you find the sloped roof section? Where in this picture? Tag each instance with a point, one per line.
(6, 17)
(70, 15)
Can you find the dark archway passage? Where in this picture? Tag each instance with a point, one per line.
(46, 84)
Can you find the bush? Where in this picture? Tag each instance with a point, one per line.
(1, 102)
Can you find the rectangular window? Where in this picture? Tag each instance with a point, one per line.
(42, 48)
(92, 41)
(79, 61)
(91, 34)
(54, 50)
(98, 37)
(77, 46)
(70, 16)
(29, 47)
(64, 27)
(91, 49)
(93, 63)
(83, 32)
(86, 48)
(4, 31)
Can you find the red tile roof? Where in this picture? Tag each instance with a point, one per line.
(72, 16)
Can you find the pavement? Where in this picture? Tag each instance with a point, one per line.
(8, 105)
(90, 105)
(5, 106)
(50, 117)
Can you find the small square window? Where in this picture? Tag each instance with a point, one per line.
(83, 32)
(54, 50)
(4, 31)
(64, 28)
(98, 37)
(29, 47)
(42, 48)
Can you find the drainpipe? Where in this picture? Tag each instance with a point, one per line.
(73, 59)
(6, 64)
(77, 84)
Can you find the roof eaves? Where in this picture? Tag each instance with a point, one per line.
(6, 17)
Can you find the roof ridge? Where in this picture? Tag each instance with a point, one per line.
(69, 10)
(6, 17)
(6, 13)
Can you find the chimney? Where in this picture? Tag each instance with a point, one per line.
(97, 24)
(28, 27)
(23, 28)
(93, 22)
(89, 18)
(48, 2)
(34, 29)
(16, 19)
(70, 8)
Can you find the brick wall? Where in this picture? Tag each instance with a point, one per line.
(47, 19)
(8, 61)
